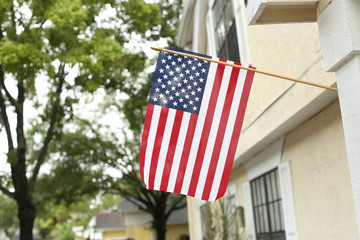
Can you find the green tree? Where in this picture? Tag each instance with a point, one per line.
(68, 47)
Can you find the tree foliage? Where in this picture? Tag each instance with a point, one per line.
(52, 53)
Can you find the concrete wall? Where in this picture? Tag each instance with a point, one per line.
(321, 182)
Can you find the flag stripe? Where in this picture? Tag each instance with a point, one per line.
(236, 134)
(210, 147)
(185, 153)
(220, 135)
(150, 142)
(171, 150)
(157, 145)
(228, 134)
(206, 128)
(144, 139)
(169, 126)
(199, 128)
(178, 151)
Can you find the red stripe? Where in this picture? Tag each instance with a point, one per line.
(206, 128)
(157, 146)
(171, 150)
(145, 135)
(236, 134)
(221, 132)
(185, 154)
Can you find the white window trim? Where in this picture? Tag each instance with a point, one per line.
(240, 22)
(260, 164)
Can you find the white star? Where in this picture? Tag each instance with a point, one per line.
(171, 73)
(185, 80)
(197, 99)
(199, 89)
(193, 68)
(179, 84)
(191, 77)
(179, 59)
(197, 74)
(175, 103)
(171, 98)
(161, 70)
(189, 61)
(183, 90)
(162, 85)
(161, 95)
(157, 89)
(165, 76)
(176, 78)
(169, 57)
(169, 82)
(188, 87)
(185, 105)
(167, 92)
(203, 70)
(183, 65)
(187, 71)
(195, 83)
(165, 101)
(173, 63)
(163, 61)
(181, 75)
(194, 108)
(155, 99)
(199, 64)
(177, 94)
(167, 66)
(181, 100)
(187, 96)
(173, 88)
(159, 80)
(193, 93)
(201, 79)
(177, 69)
(191, 102)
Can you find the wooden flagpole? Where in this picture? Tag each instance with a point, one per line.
(245, 68)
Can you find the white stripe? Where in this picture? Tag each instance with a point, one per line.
(213, 131)
(150, 142)
(199, 128)
(164, 148)
(178, 151)
(228, 133)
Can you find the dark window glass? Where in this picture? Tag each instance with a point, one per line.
(267, 207)
(225, 30)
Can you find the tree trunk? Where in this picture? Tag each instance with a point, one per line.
(26, 215)
(160, 231)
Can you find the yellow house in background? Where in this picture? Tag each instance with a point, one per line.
(133, 224)
(291, 174)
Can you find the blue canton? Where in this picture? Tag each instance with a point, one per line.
(179, 82)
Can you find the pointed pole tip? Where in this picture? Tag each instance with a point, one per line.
(156, 48)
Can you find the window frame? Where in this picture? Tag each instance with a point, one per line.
(263, 190)
(239, 11)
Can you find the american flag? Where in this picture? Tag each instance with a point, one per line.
(192, 125)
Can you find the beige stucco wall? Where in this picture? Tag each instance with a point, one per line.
(286, 49)
(173, 232)
(113, 234)
(321, 182)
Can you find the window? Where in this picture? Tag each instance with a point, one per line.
(225, 30)
(267, 207)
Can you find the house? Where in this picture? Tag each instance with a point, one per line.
(134, 224)
(296, 170)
